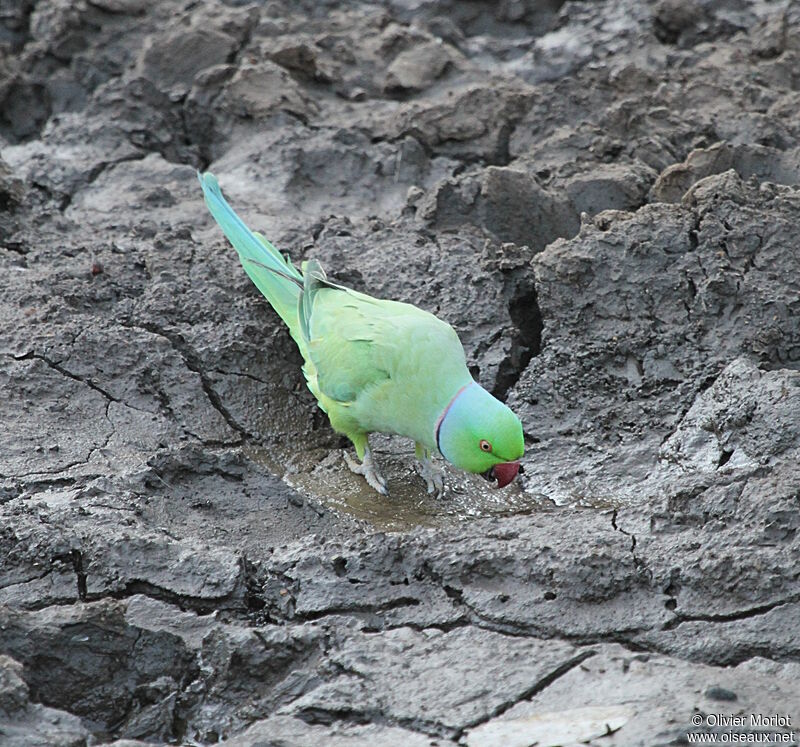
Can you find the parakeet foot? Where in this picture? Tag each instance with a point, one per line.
(369, 470)
(433, 476)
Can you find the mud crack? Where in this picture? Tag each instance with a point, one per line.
(726, 617)
(194, 363)
(75, 558)
(64, 372)
(531, 692)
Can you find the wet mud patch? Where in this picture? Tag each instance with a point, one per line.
(323, 476)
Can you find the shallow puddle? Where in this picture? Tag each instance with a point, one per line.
(324, 476)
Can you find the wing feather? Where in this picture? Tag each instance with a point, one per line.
(345, 345)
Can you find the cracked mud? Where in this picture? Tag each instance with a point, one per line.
(601, 197)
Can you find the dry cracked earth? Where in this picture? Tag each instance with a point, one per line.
(602, 197)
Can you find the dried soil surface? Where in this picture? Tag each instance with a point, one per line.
(602, 197)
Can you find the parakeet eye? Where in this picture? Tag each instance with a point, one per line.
(485, 445)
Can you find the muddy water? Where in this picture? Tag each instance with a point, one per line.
(323, 475)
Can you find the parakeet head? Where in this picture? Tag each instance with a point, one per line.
(478, 433)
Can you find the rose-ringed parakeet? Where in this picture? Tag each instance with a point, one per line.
(379, 366)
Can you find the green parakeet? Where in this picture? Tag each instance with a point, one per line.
(379, 366)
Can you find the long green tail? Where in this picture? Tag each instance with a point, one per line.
(275, 276)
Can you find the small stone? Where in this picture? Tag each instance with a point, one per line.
(720, 693)
(416, 68)
(414, 194)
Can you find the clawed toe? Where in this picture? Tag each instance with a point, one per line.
(352, 464)
(434, 478)
(368, 470)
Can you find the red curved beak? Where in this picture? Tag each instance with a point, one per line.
(505, 473)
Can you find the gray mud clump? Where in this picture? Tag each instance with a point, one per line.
(602, 197)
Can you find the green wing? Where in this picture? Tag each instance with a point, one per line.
(345, 341)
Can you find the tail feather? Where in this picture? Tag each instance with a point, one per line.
(275, 276)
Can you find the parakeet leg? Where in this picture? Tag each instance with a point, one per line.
(368, 468)
(434, 478)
